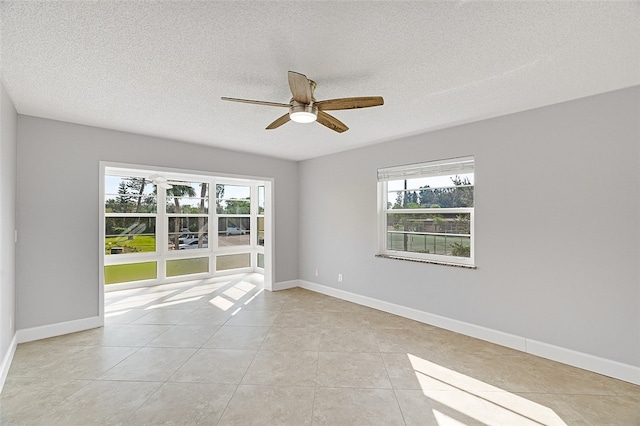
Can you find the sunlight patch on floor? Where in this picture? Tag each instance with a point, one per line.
(478, 400)
(234, 287)
(116, 313)
(234, 293)
(221, 303)
(202, 290)
(173, 303)
(136, 301)
(245, 286)
(444, 420)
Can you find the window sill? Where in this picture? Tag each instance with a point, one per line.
(434, 262)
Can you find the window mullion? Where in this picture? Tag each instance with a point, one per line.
(161, 232)
(213, 225)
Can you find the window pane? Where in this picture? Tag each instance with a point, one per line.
(187, 266)
(448, 245)
(233, 199)
(130, 272)
(260, 260)
(456, 196)
(183, 231)
(129, 195)
(233, 261)
(434, 233)
(130, 234)
(432, 182)
(261, 200)
(261, 231)
(440, 223)
(234, 231)
(187, 205)
(232, 192)
(190, 198)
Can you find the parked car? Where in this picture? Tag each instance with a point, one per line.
(193, 244)
(185, 238)
(234, 230)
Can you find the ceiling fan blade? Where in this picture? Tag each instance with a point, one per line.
(300, 87)
(331, 122)
(248, 101)
(279, 122)
(350, 103)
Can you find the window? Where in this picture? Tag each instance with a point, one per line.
(426, 211)
(187, 208)
(129, 228)
(261, 216)
(233, 207)
(157, 227)
(130, 215)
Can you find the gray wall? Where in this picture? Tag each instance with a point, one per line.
(557, 226)
(58, 211)
(557, 220)
(8, 121)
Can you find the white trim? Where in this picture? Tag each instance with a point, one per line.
(446, 167)
(269, 234)
(6, 361)
(102, 167)
(58, 329)
(283, 285)
(607, 367)
(604, 366)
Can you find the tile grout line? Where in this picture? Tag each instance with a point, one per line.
(186, 361)
(246, 371)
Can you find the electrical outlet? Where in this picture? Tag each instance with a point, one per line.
(339, 278)
(317, 273)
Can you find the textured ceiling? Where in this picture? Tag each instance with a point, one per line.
(160, 68)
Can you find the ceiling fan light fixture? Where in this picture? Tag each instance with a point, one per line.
(303, 113)
(304, 108)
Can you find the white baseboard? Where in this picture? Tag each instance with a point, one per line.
(603, 366)
(628, 373)
(6, 361)
(283, 285)
(58, 329)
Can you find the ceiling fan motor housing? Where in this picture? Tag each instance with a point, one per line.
(303, 113)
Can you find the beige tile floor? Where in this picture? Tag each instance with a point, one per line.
(224, 352)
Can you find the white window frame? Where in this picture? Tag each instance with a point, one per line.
(461, 165)
(162, 253)
(237, 249)
(256, 213)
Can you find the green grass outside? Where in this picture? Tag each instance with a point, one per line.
(114, 274)
(434, 244)
(137, 243)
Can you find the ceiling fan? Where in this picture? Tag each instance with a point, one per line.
(303, 107)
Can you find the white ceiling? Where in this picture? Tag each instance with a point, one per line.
(160, 68)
